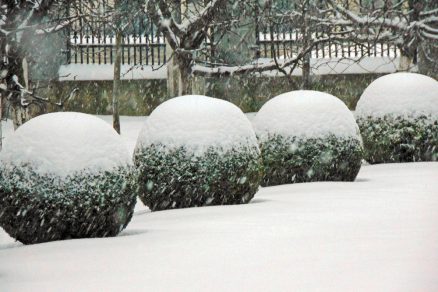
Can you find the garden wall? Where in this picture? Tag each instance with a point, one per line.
(140, 97)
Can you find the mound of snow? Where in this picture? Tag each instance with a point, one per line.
(65, 175)
(400, 94)
(398, 117)
(196, 122)
(65, 143)
(308, 136)
(197, 151)
(307, 114)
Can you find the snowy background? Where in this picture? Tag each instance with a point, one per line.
(378, 233)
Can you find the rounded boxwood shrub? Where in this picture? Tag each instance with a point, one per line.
(65, 175)
(308, 136)
(398, 118)
(197, 151)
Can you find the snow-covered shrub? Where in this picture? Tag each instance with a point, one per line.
(307, 136)
(65, 175)
(197, 151)
(398, 118)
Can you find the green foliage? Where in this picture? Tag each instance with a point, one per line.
(38, 208)
(177, 178)
(294, 160)
(397, 139)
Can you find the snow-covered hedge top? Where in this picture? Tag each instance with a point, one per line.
(197, 123)
(305, 114)
(400, 94)
(65, 143)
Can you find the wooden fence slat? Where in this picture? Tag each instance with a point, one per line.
(142, 45)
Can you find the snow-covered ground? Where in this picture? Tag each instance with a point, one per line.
(376, 234)
(82, 72)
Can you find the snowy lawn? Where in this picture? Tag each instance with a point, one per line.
(376, 234)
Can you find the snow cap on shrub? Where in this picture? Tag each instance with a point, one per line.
(306, 114)
(408, 95)
(398, 118)
(307, 136)
(65, 175)
(64, 143)
(194, 151)
(197, 122)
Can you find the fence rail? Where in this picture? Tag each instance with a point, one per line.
(136, 49)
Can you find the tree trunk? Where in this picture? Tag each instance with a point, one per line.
(1, 118)
(173, 71)
(116, 82)
(20, 115)
(180, 75)
(173, 77)
(405, 63)
(306, 72)
(185, 82)
(409, 51)
(198, 85)
(306, 43)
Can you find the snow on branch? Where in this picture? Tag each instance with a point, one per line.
(367, 20)
(401, 24)
(161, 15)
(197, 21)
(63, 24)
(275, 64)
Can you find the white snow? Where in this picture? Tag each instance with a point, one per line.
(83, 72)
(320, 66)
(65, 143)
(401, 94)
(130, 127)
(306, 114)
(375, 234)
(197, 123)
